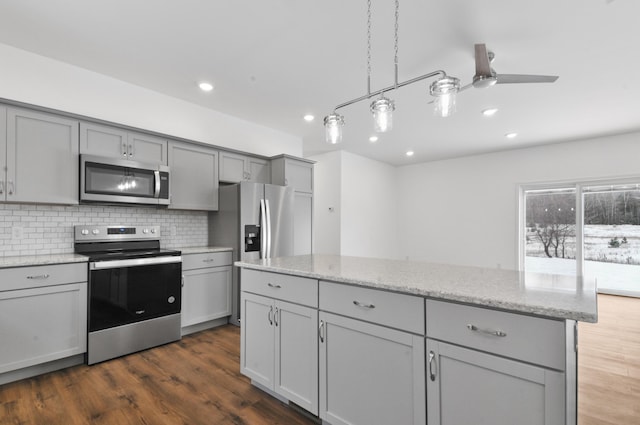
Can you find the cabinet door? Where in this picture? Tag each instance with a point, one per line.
(302, 223)
(42, 324)
(103, 141)
(298, 175)
(232, 167)
(194, 177)
(258, 170)
(147, 148)
(206, 295)
(42, 158)
(369, 374)
(469, 387)
(296, 367)
(257, 338)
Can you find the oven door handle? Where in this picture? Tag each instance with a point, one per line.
(133, 262)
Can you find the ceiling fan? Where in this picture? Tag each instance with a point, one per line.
(485, 75)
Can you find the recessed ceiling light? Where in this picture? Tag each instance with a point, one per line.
(489, 112)
(373, 139)
(511, 135)
(409, 153)
(309, 118)
(205, 86)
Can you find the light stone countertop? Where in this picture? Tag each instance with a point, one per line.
(41, 260)
(203, 249)
(554, 296)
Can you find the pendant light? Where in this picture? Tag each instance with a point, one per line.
(444, 90)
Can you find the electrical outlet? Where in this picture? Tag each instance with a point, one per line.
(17, 233)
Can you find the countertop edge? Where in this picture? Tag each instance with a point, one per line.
(509, 306)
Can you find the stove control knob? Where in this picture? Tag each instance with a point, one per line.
(153, 230)
(145, 231)
(84, 232)
(95, 231)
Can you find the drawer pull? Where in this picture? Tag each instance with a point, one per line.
(433, 366)
(491, 332)
(363, 305)
(208, 260)
(39, 276)
(271, 285)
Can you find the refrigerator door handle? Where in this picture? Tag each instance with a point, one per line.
(263, 229)
(268, 222)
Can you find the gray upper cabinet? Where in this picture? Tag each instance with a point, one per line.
(235, 168)
(115, 142)
(194, 177)
(294, 172)
(39, 157)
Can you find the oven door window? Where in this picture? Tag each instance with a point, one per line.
(132, 294)
(123, 181)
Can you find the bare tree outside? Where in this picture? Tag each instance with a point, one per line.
(551, 221)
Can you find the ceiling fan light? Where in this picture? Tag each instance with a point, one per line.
(333, 124)
(382, 110)
(445, 90)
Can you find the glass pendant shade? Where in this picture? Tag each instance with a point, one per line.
(333, 128)
(382, 110)
(445, 90)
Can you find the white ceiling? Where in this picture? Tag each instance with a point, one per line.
(272, 61)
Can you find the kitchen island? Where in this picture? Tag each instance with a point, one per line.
(373, 341)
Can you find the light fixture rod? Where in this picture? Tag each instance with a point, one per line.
(369, 95)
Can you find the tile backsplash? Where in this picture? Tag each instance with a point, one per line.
(27, 229)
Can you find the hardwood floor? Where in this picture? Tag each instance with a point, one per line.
(609, 364)
(194, 381)
(197, 381)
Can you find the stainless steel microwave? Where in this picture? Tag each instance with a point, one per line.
(114, 180)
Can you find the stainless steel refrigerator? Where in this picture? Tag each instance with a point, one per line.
(256, 220)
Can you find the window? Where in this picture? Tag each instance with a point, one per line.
(590, 229)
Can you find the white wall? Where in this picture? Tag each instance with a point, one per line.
(30, 78)
(362, 194)
(465, 211)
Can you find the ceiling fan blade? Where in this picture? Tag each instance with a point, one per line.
(483, 68)
(520, 78)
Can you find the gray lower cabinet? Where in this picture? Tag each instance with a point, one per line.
(114, 142)
(370, 374)
(465, 386)
(206, 288)
(279, 335)
(39, 159)
(43, 315)
(194, 177)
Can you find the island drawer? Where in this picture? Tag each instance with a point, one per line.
(295, 289)
(203, 260)
(38, 276)
(400, 311)
(531, 339)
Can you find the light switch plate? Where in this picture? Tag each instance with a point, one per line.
(17, 233)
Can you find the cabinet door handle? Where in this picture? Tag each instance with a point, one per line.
(275, 316)
(1, 188)
(363, 305)
(271, 285)
(321, 331)
(130, 150)
(183, 281)
(270, 315)
(491, 332)
(124, 150)
(10, 187)
(286, 182)
(433, 366)
(38, 277)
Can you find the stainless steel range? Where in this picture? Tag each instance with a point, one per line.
(134, 289)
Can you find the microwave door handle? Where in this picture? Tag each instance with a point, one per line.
(156, 193)
(263, 230)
